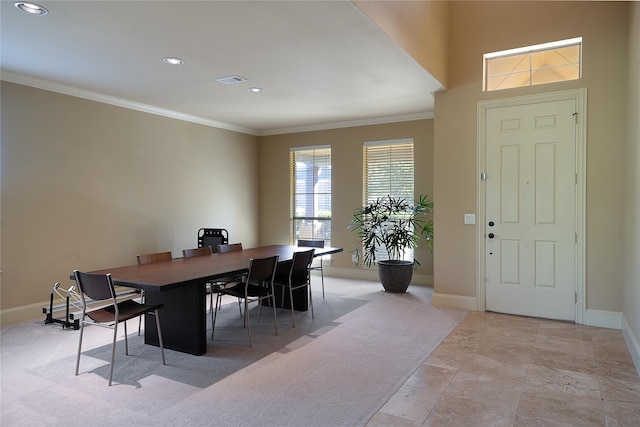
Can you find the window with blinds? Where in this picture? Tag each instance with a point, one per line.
(310, 216)
(388, 170)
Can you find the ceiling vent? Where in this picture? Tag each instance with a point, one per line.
(230, 80)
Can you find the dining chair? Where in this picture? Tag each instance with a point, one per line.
(99, 287)
(148, 259)
(194, 252)
(297, 277)
(225, 281)
(229, 247)
(212, 237)
(257, 287)
(202, 251)
(303, 243)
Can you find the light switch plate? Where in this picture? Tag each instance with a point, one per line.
(469, 218)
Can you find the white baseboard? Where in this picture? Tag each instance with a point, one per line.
(602, 319)
(22, 314)
(372, 274)
(455, 301)
(633, 342)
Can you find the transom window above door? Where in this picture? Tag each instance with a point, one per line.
(533, 65)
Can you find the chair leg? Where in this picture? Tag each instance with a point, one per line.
(275, 320)
(140, 319)
(321, 277)
(80, 345)
(126, 341)
(215, 314)
(212, 308)
(311, 300)
(247, 321)
(293, 317)
(113, 351)
(160, 336)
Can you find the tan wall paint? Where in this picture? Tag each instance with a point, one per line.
(631, 289)
(346, 166)
(88, 185)
(418, 27)
(480, 27)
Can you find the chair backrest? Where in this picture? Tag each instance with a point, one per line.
(262, 270)
(301, 263)
(155, 257)
(212, 237)
(229, 247)
(311, 243)
(190, 253)
(302, 260)
(98, 287)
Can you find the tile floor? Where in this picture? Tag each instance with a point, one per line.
(502, 370)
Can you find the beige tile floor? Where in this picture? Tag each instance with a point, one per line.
(502, 370)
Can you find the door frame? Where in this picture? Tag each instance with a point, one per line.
(580, 98)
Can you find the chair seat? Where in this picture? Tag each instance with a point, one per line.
(261, 272)
(127, 310)
(253, 291)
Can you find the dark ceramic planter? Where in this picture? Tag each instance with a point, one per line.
(395, 275)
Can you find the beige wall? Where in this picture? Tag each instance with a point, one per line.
(480, 27)
(88, 185)
(346, 166)
(631, 289)
(418, 27)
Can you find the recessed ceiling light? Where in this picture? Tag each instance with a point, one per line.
(255, 89)
(173, 61)
(31, 8)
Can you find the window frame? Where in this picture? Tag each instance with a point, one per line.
(401, 149)
(529, 69)
(320, 224)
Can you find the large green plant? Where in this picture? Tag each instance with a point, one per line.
(392, 223)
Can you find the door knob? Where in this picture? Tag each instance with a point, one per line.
(491, 235)
(491, 223)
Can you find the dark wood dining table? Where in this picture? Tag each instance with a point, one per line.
(179, 285)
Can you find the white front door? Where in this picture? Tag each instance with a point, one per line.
(530, 210)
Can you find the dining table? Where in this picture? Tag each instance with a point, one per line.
(179, 285)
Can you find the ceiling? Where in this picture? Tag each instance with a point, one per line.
(320, 64)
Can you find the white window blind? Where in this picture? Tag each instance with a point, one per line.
(388, 169)
(310, 193)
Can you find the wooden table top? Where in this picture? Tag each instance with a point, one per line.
(186, 271)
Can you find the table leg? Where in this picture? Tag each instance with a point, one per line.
(182, 319)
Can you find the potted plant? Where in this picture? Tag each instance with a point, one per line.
(393, 225)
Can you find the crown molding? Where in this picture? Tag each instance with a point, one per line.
(350, 123)
(124, 103)
(119, 102)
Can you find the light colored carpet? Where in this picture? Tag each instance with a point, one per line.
(335, 370)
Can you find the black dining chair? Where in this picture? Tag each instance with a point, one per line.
(257, 287)
(297, 277)
(194, 252)
(303, 243)
(148, 259)
(223, 282)
(99, 287)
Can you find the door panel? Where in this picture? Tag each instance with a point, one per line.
(530, 200)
